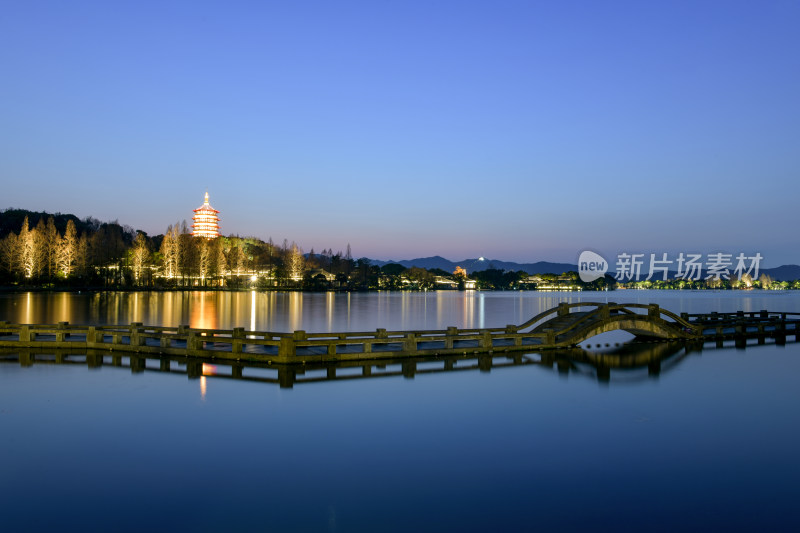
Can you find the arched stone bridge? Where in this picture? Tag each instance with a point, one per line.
(571, 324)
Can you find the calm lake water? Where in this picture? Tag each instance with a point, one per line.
(706, 441)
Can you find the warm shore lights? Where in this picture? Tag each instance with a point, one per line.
(205, 221)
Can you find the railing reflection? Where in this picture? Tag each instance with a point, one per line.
(624, 364)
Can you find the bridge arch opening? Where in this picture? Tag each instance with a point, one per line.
(607, 340)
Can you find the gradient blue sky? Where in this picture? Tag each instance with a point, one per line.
(514, 130)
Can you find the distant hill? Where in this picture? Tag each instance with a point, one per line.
(783, 273)
(478, 264)
(11, 220)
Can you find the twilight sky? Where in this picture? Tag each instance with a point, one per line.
(521, 131)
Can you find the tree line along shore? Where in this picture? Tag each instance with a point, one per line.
(62, 252)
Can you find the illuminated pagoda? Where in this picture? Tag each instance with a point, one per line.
(205, 222)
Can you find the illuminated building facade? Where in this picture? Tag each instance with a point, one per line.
(205, 221)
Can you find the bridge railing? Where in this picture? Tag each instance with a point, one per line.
(678, 319)
(556, 310)
(216, 342)
(608, 311)
(738, 315)
(590, 317)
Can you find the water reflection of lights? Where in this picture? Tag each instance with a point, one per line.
(468, 303)
(295, 311)
(252, 310)
(481, 314)
(203, 311)
(348, 310)
(135, 311)
(65, 314)
(329, 299)
(207, 370)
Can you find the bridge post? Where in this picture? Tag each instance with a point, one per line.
(452, 332)
(653, 311)
(236, 344)
(550, 337)
(287, 348)
(563, 309)
(91, 336)
(190, 341)
(136, 339)
(739, 330)
(780, 333)
(410, 343)
(605, 312)
(299, 335)
(25, 334)
(486, 341)
(61, 335)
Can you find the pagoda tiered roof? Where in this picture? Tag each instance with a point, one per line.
(205, 221)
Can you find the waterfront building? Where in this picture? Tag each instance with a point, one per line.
(205, 221)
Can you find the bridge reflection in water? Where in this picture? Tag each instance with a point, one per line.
(626, 362)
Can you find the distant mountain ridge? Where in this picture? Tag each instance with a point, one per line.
(781, 273)
(478, 264)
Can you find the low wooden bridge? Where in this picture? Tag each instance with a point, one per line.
(626, 358)
(564, 326)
